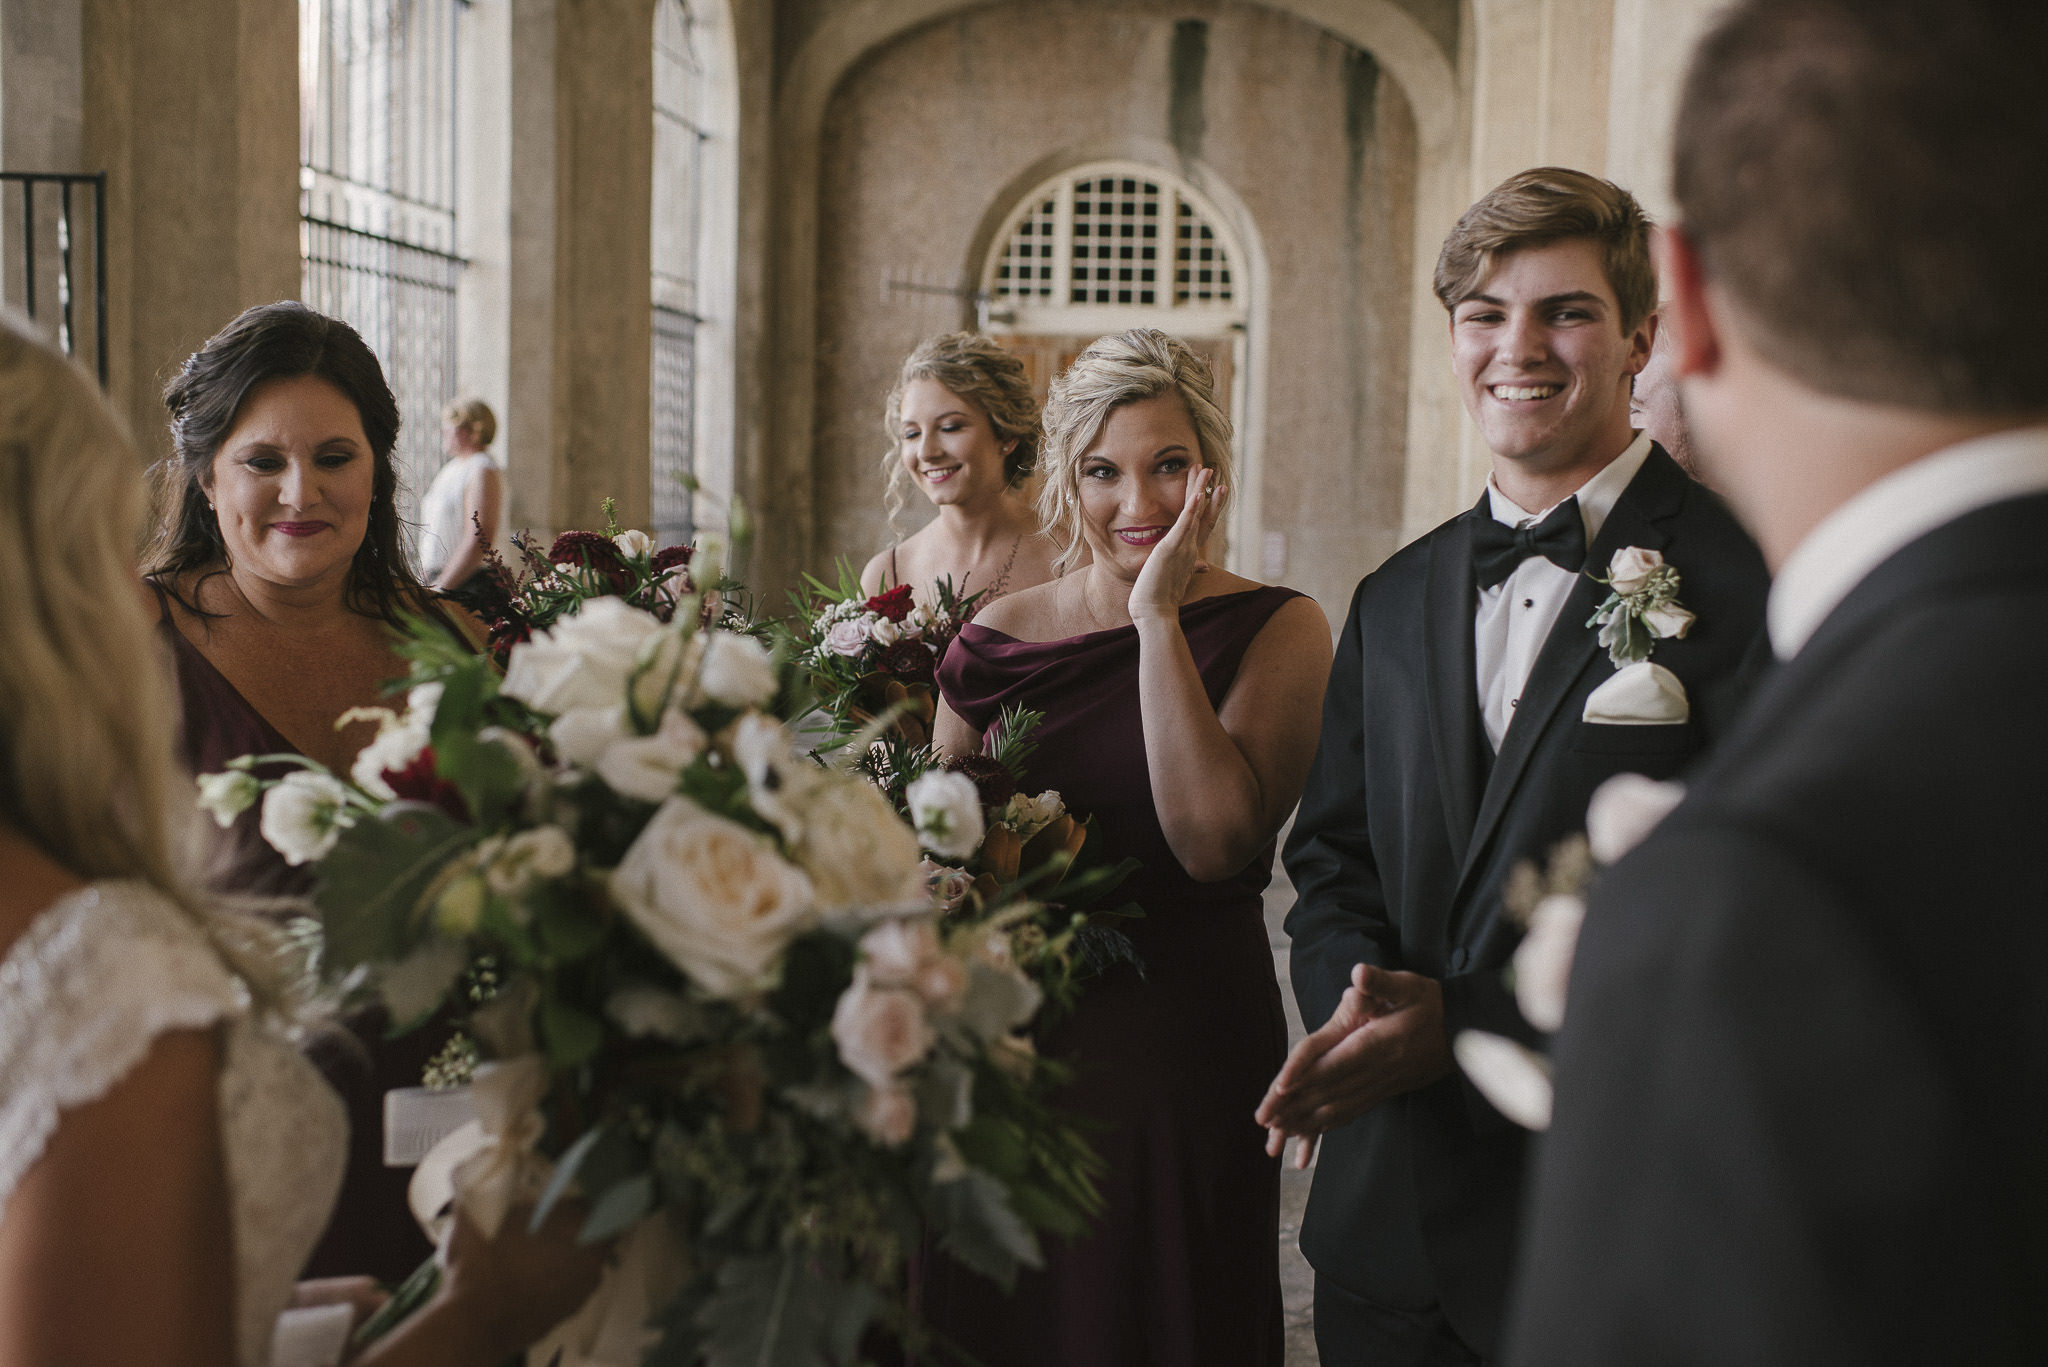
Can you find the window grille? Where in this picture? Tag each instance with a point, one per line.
(679, 137)
(1113, 237)
(377, 240)
(59, 260)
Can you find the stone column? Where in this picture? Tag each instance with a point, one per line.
(193, 111)
(1653, 43)
(581, 325)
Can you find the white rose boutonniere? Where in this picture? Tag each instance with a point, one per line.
(1641, 607)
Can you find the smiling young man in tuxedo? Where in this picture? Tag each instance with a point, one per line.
(1471, 713)
(1802, 1084)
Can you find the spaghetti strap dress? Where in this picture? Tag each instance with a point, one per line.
(372, 1231)
(1168, 1062)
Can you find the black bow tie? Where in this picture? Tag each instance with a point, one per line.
(1498, 548)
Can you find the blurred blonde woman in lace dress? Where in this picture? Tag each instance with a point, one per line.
(166, 1157)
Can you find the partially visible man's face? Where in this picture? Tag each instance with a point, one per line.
(1542, 361)
(1656, 406)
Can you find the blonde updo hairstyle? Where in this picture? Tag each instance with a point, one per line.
(977, 369)
(1126, 367)
(88, 767)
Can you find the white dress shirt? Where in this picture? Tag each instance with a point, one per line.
(1883, 519)
(1515, 616)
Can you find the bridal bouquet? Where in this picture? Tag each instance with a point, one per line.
(711, 991)
(990, 844)
(870, 656)
(580, 566)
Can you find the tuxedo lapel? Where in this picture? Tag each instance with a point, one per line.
(1450, 678)
(1655, 493)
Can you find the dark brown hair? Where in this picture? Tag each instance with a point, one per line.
(1863, 178)
(274, 342)
(1553, 204)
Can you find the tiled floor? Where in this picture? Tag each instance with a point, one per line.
(1297, 1282)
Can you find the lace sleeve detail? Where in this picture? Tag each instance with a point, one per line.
(95, 978)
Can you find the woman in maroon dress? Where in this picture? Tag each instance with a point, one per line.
(1181, 710)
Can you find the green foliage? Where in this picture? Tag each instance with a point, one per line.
(373, 884)
(977, 1226)
(1010, 743)
(783, 1310)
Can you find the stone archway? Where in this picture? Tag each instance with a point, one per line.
(1394, 37)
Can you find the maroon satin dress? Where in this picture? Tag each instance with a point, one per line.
(1182, 1269)
(372, 1231)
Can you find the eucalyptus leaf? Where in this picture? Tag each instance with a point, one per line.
(372, 882)
(977, 1226)
(622, 1206)
(565, 1172)
(779, 1310)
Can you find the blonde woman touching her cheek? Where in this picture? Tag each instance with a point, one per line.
(1181, 710)
(964, 430)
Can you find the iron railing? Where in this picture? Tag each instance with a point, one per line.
(674, 426)
(401, 298)
(67, 282)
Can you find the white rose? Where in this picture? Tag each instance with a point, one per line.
(1668, 621)
(857, 849)
(225, 796)
(999, 1000)
(779, 780)
(1631, 569)
(1515, 1078)
(896, 950)
(946, 809)
(632, 543)
(880, 1031)
(543, 852)
(1543, 961)
(397, 745)
(847, 638)
(647, 1012)
(942, 982)
(887, 1115)
(736, 670)
(647, 767)
(1027, 816)
(918, 622)
(885, 632)
(584, 660)
(582, 734)
(948, 886)
(1625, 809)
(304, 815)
(714, 897)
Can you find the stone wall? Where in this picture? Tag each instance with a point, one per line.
(927, 140)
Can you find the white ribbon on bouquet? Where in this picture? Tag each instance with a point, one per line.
(490, 1165)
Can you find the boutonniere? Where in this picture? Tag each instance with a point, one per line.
(1641, 607)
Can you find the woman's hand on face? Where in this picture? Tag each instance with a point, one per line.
(1182, 553)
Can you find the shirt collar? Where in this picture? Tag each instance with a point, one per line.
(1597, 496)
(1905, 505)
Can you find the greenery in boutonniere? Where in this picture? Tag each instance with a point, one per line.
(1641, 608)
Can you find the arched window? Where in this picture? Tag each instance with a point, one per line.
(377, 245)
(680, 135)
(1109, 246)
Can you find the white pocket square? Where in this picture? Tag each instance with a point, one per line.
(1641, 694)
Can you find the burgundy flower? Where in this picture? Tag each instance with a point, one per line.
(894, 605)
(908, 661)
(593, 551)
(669, 557)
(419, 781)
(991, 780)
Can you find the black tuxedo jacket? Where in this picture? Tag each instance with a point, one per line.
(1407, 827)
(1802, 1087)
